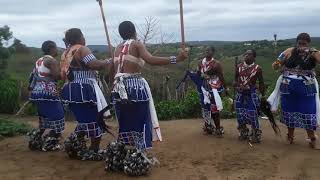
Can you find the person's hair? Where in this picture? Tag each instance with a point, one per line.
(127, 30)
(47, 46)
(254, 53)
(304, 36)
(73, 36)
(212, 49)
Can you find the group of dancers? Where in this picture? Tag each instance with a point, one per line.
(296, 90)
(131, 96)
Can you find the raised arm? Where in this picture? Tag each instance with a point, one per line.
(156, 60)
(282, 58)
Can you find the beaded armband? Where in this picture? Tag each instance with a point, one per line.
(173, 60)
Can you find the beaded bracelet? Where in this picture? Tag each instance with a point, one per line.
(173, 60)
(109, 61)
(282, 57)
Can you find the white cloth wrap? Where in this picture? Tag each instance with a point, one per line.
(274, 98)
(216, 95)
(119, 86)
(317, 101)
(101, 101)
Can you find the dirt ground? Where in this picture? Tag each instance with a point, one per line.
(185, 154)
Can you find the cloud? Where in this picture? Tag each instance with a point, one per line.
(38, 20)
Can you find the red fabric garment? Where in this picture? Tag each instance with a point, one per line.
(207, 64)
(247, 74)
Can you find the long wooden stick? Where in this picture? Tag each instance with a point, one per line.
(105, 27)
(22, 108)
(182, 25)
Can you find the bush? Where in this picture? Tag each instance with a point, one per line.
(9, 128)
(167, 110)
(226, 111)
(31, 110)
(9, 95)
(189, 107)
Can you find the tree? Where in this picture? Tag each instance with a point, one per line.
(9, 92)
(148, 32)
(149, 29)
(5, 36)
(19, 47)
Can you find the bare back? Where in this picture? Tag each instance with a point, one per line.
(128, 67)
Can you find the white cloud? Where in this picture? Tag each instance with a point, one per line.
(37, 20)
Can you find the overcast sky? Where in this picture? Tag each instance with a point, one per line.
(34, 21)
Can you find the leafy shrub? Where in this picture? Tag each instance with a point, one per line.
(9, 128)
(226, 112)
(168, 110)
(9, 95)
(31, 110)
(189, 107)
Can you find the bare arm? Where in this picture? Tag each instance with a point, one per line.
(156, 60)
(111, 72)
(282, 58)
(316, 55)
(84, 54)
(220, 74)
(199, 66)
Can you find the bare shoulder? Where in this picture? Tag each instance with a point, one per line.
(82, 52)
(48, 60)
(84, 49)
(137, 44)
(288, 51)
(117, 50)
(218, 62)
(259, 68)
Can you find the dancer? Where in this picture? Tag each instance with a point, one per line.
(45, 96)
(213, 83)
(247, 102)
(137, 118)
(297, 89)
(81, 91)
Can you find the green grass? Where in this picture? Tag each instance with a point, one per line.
(10, 128)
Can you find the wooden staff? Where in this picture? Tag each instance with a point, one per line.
(22, 108)
(182, 25)
(105, 27)
(275, 44)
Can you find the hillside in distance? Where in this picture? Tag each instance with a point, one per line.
(21, 64)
